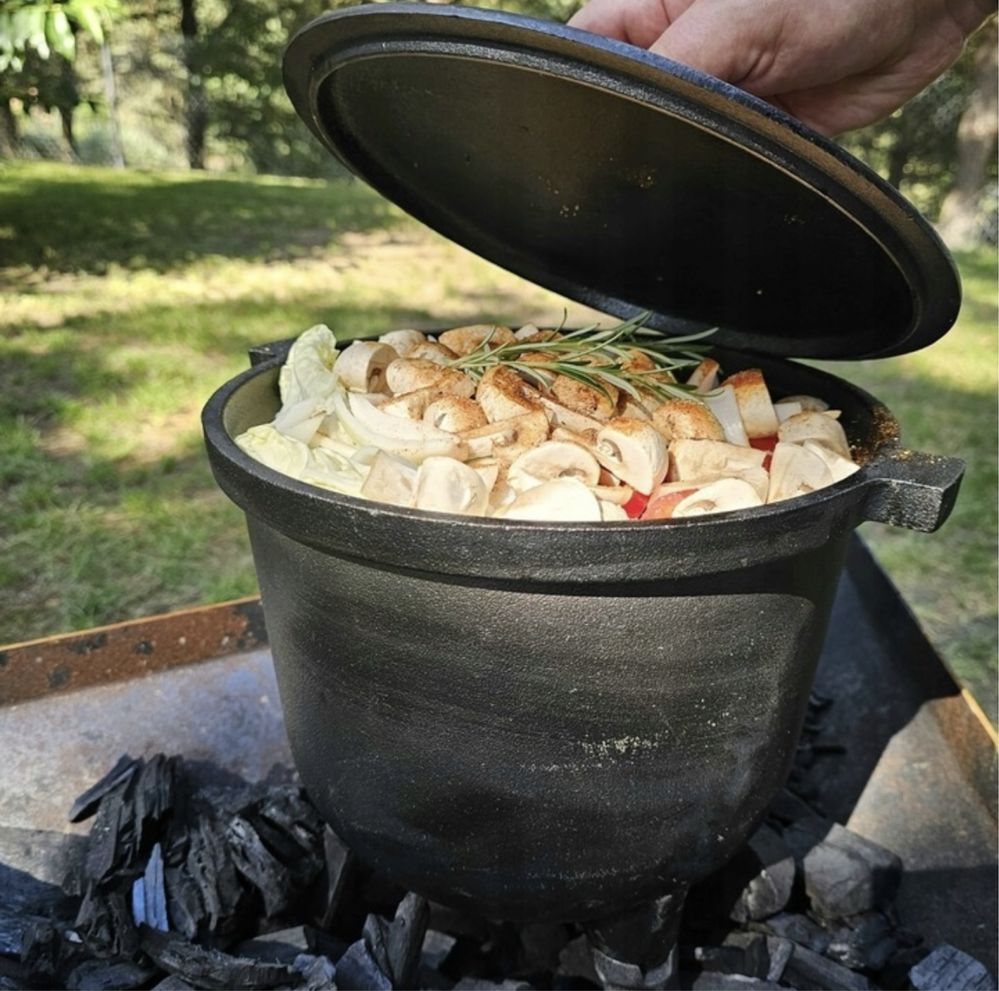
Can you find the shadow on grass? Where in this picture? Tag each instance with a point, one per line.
(64, 220)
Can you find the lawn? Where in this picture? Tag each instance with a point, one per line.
(128, 297)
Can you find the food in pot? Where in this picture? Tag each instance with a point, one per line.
(583, 425)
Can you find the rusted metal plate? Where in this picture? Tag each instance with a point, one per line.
(39, 668)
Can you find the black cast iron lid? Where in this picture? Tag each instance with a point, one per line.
(623, 180)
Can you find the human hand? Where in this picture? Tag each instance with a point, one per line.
(834, 64)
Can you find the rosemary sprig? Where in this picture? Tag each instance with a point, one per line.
(598, 359)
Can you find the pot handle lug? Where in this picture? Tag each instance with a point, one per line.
(912, 489)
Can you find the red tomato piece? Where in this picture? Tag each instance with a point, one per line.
(661, 507)
(635, 506)
(765, 444)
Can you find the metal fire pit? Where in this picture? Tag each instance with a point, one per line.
(919, 775)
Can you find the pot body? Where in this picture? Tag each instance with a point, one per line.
(553, 720)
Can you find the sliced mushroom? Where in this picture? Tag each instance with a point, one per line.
(506, 439)
(406, 375)
(612, 512)
(455, 414)
(721, 496)
(585, 399)
(403, 342)
(411, 405)
(390, 480)
(553, 459)
(464, 340)
(807, 403)
(618, 494)
(502, 394)
(707, 460)
(562, 416)
(561, 499)
(430, 350)
(704, 378)
(684, 418)
(811, 425)
(634, 451)
(756, 408)
(723, 404)
(628, 405)
(839, 467)
(490, 470)
(361, 366)
(448, 486)
(794, 471)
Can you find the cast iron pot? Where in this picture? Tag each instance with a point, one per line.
(561, 721)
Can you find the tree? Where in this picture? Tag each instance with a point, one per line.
(960, 218)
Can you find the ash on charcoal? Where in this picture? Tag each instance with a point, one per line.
(948, 969)
(96, 975)
(207, 968)
(864, 942)
(741, 953)
(845, 874)
(810, 971)
(319, 972)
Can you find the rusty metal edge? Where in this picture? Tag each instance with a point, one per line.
(967, 729)
(122, 651)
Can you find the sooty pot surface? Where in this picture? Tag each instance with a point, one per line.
(553, 720)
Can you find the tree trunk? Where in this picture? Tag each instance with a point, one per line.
(195, 114)
(960, 222)
(66, 119)
(10, 134)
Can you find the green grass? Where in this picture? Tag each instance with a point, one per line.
(128, 297)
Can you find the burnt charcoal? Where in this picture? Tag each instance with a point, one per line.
(12, 929)
(149, 894)
(47, 954)
(479, 984)
(319, 972)
(811, 971)
(105, 925)
(713, 981)
(153, 793)
(741, 953)
(208, 968)
(946, 968)
(259, 866)
(292, 830)
(86, 805)
(797, 928)
(281, 946)
(396, 945)
(357, 969)
(173, 983)
(576, 960)
(436, 947)
(337, 869)
(205, 889)
(542, 942)
(98, 975)
(779, 951)
(845, 874)
(109, 842)
(864, 942)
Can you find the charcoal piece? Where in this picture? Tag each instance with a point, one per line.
(172, 983)
(43, 953)
(787, 808)
(948, 969)
(207, 968)
(396, 945)
(12, 928)
(714, 981)
(864, 942)
(740, 953)
(479, 984)
(153, 794)
(105, 924)
(576, 960)
(338, 867)
(281, 946)
(811, 971)
(768, 890)
(797, 928)
(319, 972)
(542, 942)
(845, 874)
(86, 805)
(436, 947)
(258, 865)
(358, 970)
(110, 841)
(292, 830)
(779, 951)
(149, 894)
(100, 975)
